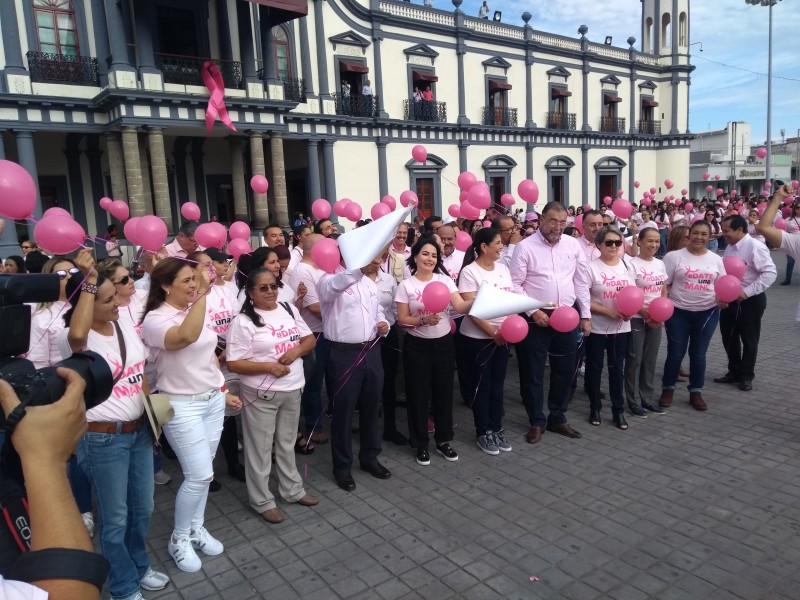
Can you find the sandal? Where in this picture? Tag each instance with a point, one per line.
(303, 446)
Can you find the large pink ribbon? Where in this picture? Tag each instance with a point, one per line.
(216, 108)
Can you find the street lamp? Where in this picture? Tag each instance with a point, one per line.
(770, 4)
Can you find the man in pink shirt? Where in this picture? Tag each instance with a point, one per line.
(184, 243)
(550, 267)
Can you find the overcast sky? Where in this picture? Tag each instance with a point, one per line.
(732, 33)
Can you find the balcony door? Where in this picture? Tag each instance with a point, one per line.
(176, 28)
(55, 27)
(425, 194)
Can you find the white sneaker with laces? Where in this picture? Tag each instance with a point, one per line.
(205, 542)
(88, 522)
(183, 554)
(152, 581)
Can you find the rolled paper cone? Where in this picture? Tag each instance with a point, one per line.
(491, 303)
(360, 246)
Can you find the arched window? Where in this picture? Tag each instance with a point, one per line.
(666, 30)
(283, 56)
(55, 27)
(648, 33)
(426, 180)
(683, 30)
(498, 176)
(558, 168)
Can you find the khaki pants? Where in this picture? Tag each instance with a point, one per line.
(268, 416)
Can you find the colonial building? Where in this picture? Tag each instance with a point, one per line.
(105, 98)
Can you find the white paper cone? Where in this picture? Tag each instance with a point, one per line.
(359, 247)
(492, 302)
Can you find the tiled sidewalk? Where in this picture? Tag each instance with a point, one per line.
(681, 506)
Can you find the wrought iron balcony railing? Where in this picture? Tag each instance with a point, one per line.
(559, 120)
(294, 89)
(356, 105)
(185, 70)
(612, 125)
(650, 127)
(502, 117)
(421, 110)
(60, 68)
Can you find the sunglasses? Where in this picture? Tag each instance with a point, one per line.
(274, 287)
(70, 273)
(610, 243)
(123, 281)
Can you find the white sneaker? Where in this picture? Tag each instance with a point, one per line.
(205, 542)
(88, 522)
(152, 581)
(183, 554)
(161, 478)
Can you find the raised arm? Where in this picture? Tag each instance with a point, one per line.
(81, 321)
(766, 226)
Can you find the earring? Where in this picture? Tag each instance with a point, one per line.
(167, 292)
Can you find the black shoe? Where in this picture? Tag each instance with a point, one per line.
(377, 470)
(395, 437)
(786, 282)
(619, 421)
(237, 471)
(345, 481)
(594, 417)
(637, 410)
(423, 458)
(214, 486)
(446, 450)
(727, 378)
(654, 408)
(745, 385)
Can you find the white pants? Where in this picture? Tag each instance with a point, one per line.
(194, 435)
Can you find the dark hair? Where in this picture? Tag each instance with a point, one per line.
(318, 226)
(72, 290)
(296, 233)
(282, 252)
(700, 223)
(484, 235)
(50, 267)
(428, 225)
(643, 232)
(260, 256)
(592, 212)
(570, 230)
(675, 236)
(411, 235)
(107, 267)
(19, 261)
(111, 229)
(497, 223)
(415, 250)
(188, 228)
(248, 308)
(604, 232)
(164, 273)
(553, 206)
(736, 222)
(35, 261)
(243, 269)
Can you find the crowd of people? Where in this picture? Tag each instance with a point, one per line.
(256, 341)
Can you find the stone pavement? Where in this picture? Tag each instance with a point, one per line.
(681, 506)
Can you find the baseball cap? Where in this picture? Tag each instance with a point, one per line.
(217, 255)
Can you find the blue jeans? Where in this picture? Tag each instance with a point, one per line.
(120, 467)
(713, 245)
(692, 329)
(81, 486)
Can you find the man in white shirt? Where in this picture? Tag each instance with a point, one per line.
(184, 243)
(508, 229)
(366, 90)
(452, 259)
(740, 321)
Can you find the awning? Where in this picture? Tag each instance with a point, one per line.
(648, 103)
(557, 92)
(424, 76)
(610, 98)
(496, 85)
(299, 7)
(351, 66)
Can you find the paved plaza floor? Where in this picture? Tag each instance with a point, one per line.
(681, 506)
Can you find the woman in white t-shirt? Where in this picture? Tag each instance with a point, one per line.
(47, 320)
(267, 258)
(266, 343)
(482, 342)
(428, 351)
(608, 274)
(131, 301)
(181, 343)
(691, 273)
(116, 452)
(645, 339)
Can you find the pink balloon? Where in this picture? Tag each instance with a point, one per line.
(190, 211)
(325, 254)
(208, 236)
(781, 224)
(419, 153)
(152, 232)
(647, 201)
(129, 229)
(768, 185)
(720, 192)
(17, 191)
(579, 223)
(661, 309)
(620, 193)
(479, 196)
(56, 210)
(733, 193)
(353, 212)
(653, 190)
(408, 197)
(630, 300)
(321, 209)
(390, 202)
(586, 207)
(607, 200)
(786, 212)
(727, 288)
(105, 203)
(622, 208)
(709, 188)
(795, 184)
(220, 232)
(468, 211)
(463, 240)
(760, 153)
(379, 210)
(241, 230)
(514, 329)
(697, 218)
(259, 184)
(716, 177)
(462, 197)
(435, 297)
(528, 191)
(684, 192)
(454, 210)
(119, 209)
(706, 175)
(734, 266)
(466, 180)
(340, 207)
(669, 185)
(58, 234)
(487, 223)
(636, 184)
(678, 202)
(507, 200)
(564, 319)
(238, 246)
(689, 206)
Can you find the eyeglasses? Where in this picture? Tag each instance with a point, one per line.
(610, 243)
(123, 281)
(70, 273)
(273, 287)
(27, 247)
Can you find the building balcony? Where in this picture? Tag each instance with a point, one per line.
(357, 105)
(650, 127)
(59, 68)
(421, 110)
(185, 70)
(294, 89)
(559, 120)
(612, 125)
(501, 117)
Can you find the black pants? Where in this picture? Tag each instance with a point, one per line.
(428, 366)
(487, 371)
(740, 326)
(356, 378)
(614, 346)
(463, 364)
(531, 354)
(229, 440)
(390, 357)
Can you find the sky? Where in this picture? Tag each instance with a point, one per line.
(732, 33)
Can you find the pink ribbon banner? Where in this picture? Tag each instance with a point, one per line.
(216, 108)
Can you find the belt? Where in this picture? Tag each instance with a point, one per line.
(358, 346)
(116, 427)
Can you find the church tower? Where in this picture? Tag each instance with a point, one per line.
(665, 27)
